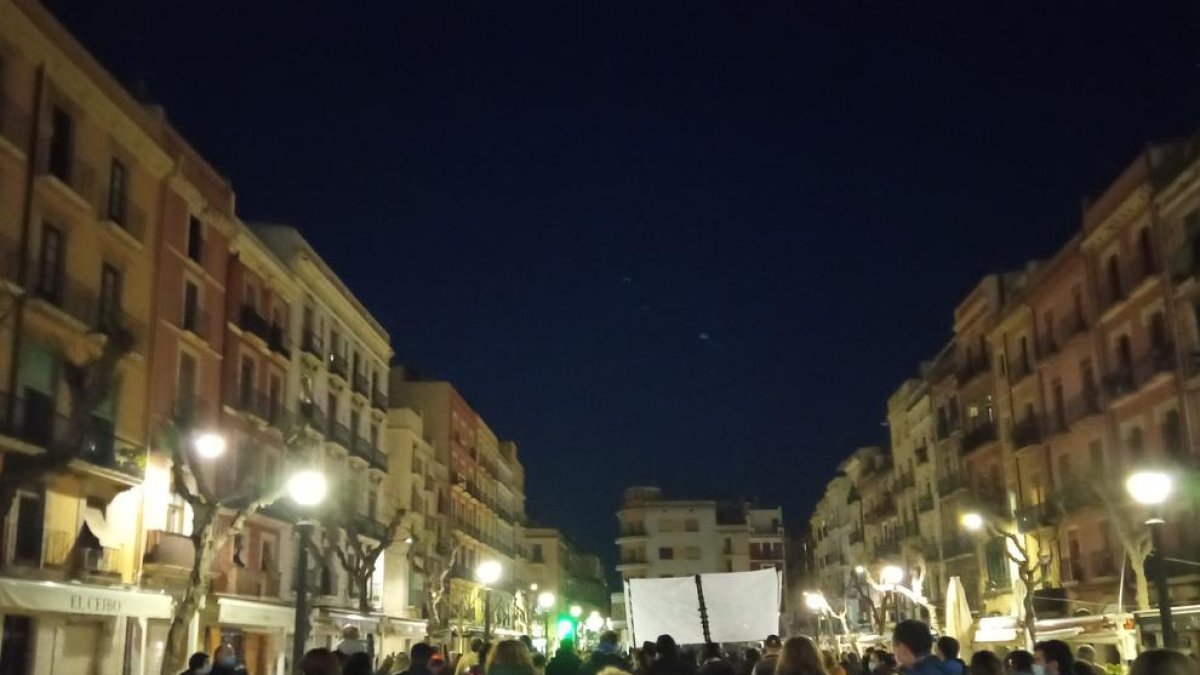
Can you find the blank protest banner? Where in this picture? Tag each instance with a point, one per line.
(741, 607)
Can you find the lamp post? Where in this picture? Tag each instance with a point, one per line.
(487, 573)
(306, 488)
(817, 603)
(891, 575)
(1152, 489)
(545, 601)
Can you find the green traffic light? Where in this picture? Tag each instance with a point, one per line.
(565, 629)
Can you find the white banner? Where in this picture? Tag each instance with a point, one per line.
(48, 596)
(741, 607)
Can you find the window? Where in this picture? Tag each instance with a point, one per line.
(997, 563)
(1158, 331)
(692, 553)
(1146, 251)
(109, 317)
(1136, 442)
(372, 498)
(274, 398)
(1172, 432)
(191, 307)
(31, 525)
(1060, 406)
(195, 240)
(116, 192)
(16, 648)
(1096, 455)
(1077, 305)
(185, 386)
(1064, 470)
(537, 554)
(1124, 354)
(50, 269)
(62, 144)
(666, 553)
(1051, 341)
(266, 558)
(1114, 278)
(691, 525)
(246, 383)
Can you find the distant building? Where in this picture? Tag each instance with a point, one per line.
(554, 564)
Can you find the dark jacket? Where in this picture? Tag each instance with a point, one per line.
(564, 663)
(716, 667)
(599, 660)
(930, 665)
(670, 666)
(224, 670)
(766, 665)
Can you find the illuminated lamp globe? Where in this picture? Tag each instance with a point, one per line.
(972, 521)
(576, 611)
(209, 445)
(1150, 488)
(594, 622)
(307, 487)
(488, 572)
(545, 600)
(891, 575)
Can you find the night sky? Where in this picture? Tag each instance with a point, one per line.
(691, 244)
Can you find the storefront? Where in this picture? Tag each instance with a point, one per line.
(1112, 635)
(260, 633)
(1186, 621)
(50, 627)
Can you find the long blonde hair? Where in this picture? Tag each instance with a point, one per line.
(509, 653)
(799, 657)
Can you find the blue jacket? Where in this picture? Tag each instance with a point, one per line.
(932, 665)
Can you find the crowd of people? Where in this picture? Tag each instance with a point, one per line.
(914, 651)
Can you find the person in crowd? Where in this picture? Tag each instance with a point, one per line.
(438, 665)
(225, 661)
(985, 662)
(799, 656)
(352, 642)
(713, 662)
(947, 651)
(772, 647)
(912, 643)
(850, 663)
(319, 661)
(750, 659)
(470, 658)
(885, 664)
(358, 663)
(670, 661)
(645, 658)
(1085, 653)
(1019, 662)
(868, 662)
(419, 657)
(829, 660)
(1164, 662)
(565, 661)
(1054, 657)
(198, 664)
(607, 654)
(539, 663)
(509, 657)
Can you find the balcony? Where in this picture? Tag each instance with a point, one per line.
(885, 549)
(360, 385)
(35, 421)
(950, 485)
(311, 414)
(363, 448)
(195, 321)
(922, 454)
(925, 503)
(262, 405)
(339, 433)
(906, 481)
(191, 410)
(82, 304)
(971, 370)
(1084, 406)
(1019, 369)
(14, 125)
(119, 212)
(882, 511)
(1035, 516)
(277, 341)
(1072, 325)
(993, 498)
(250, 321)
(67, 173)
(311, 346)
(379, 400)
(856, 537)
(978, 437)
(632, 530)
(1048, 345)
(1025, 433)
(1071, 570)
(957, 547)
(339, 367)
(169, 550)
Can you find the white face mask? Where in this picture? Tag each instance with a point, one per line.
(1039, 669)
(205, 669)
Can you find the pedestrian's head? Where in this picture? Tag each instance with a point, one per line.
(350, 632)
(666, 648)
(799, 657)
(1019, 661)
(528, 642)
(225, 656)
(772, 644)
(648, 652)
(911, 641)
(1085, 653)
(751, 655)
(1054, 656)
(984, 662)
(829, 660)
(609, 638)
(883, 660)
(319, 662)
(566, 646)
(850, 660)
(437, 662)
(509, 654)
(947, 648)
(358, 663)
(711, 650)
(539, 661)
(1163, 662)
(198, 663)
(420, 654)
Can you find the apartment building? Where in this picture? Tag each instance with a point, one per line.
(554, 563)
(82, 173)
(479, 485)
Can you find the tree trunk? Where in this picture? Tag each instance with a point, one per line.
(1030, 612)
(1141, 583)
(363, 581)
(176, 650)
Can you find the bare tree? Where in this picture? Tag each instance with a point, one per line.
(437, 596)
(216, 517)
(1032, 572)
(355, 549)
(88, 385)
(1126, 524)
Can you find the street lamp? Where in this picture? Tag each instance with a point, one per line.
(891, 575)
(576, 611)
(307, 489)
(209, 444)
(972, 521)
(545, 601)
(1152, 489)
(487, 573)
(594, 622)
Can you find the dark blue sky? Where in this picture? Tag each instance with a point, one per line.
(694, 244)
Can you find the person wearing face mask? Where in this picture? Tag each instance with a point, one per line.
(1019, 662)
(225, 661)
(913, 645)
(198, 664)
(1053, 657)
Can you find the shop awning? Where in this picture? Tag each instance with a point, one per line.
(87, 599)
(232, 611)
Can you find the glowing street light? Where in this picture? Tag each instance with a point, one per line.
(487, 573)
(1153, 488)
(816, 601)
(576, 611)
(891, 575)
(307, 488)
(972, 521)
(209, 445)
(594, 622)
(545, 600)
(1150, 488)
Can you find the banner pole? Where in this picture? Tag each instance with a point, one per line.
(703, 611)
